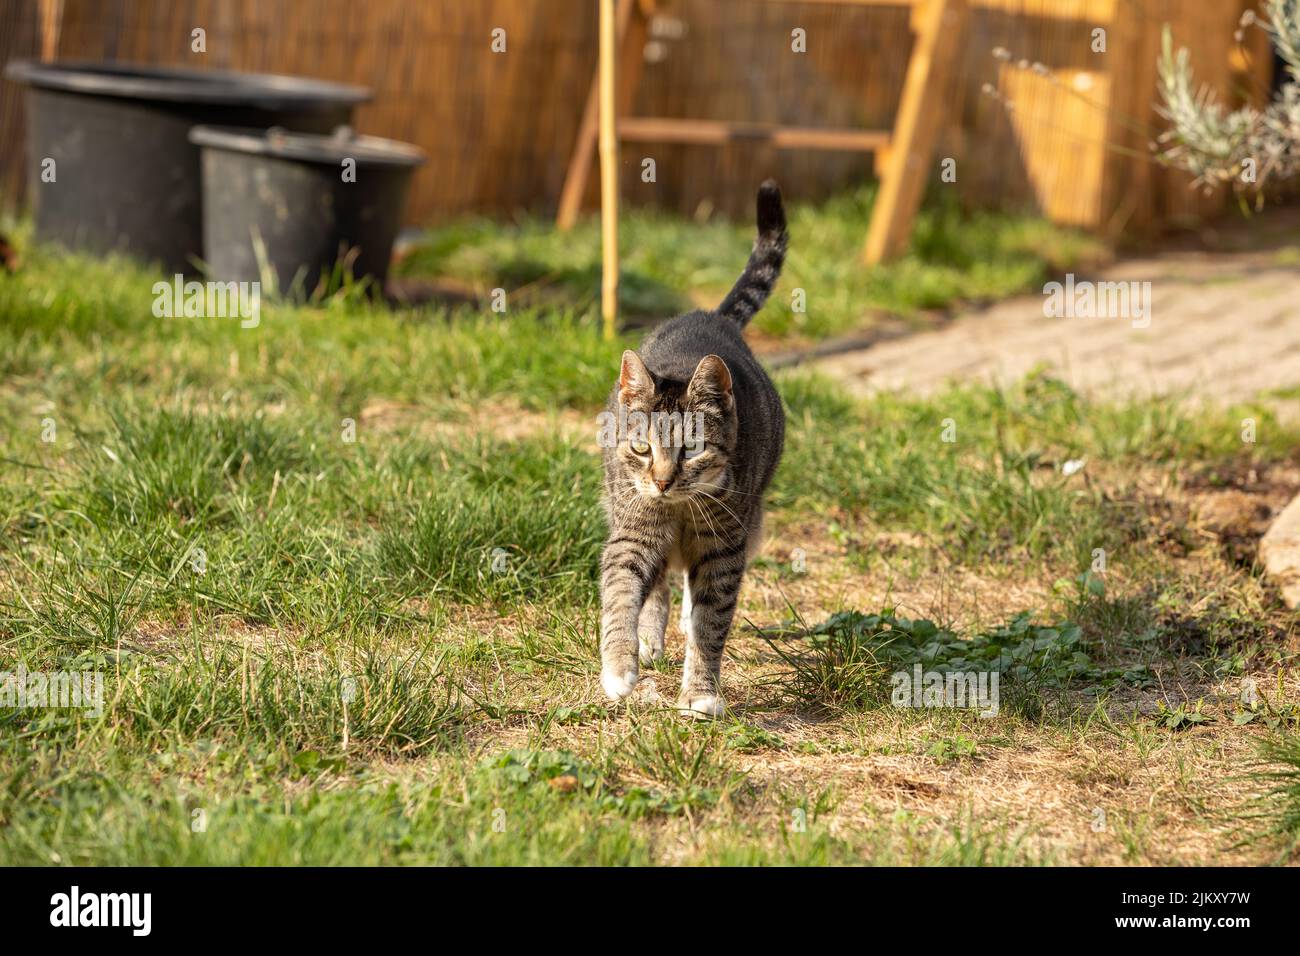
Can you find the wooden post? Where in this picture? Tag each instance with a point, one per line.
(51, 27)
(907, 160)
(608, 172)
(631, 27)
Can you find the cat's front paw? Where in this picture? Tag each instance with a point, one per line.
(616, 685)
(702, 705)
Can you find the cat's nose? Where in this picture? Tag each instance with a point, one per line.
(663, 483)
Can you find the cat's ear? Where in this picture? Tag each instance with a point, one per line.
(634, 380)
(712, 380)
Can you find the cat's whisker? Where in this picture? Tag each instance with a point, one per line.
(723, 506)
(732, 490)
(705, 518)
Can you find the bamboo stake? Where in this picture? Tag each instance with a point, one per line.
(51, 27)
(608, 173)
(630, 28)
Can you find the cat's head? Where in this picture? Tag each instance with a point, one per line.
(679, 436)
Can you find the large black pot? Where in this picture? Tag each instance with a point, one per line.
(299, 204)
(126, 174)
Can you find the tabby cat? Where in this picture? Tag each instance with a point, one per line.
(685, 492)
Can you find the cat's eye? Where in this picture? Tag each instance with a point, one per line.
(639, 447)
(693, 451)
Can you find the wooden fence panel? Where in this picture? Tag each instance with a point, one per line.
(499, 127)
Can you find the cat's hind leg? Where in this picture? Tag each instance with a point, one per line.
(654, 620)
(685, 620)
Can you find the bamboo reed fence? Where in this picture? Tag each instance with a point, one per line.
(499, 126)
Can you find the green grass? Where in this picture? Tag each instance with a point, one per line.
(671, 265)
(326, 651)
(1272, 817)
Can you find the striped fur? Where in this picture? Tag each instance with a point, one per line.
(693, 512)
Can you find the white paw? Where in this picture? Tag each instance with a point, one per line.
(651, 652)
(617, 686)
(706, 705)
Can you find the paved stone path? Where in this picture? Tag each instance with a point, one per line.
(1223, 327)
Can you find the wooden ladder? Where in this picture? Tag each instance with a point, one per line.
(902, 155)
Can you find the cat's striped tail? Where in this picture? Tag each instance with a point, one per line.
(764, 267)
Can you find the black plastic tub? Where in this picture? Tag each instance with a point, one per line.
(300, 206)
(126, 176)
